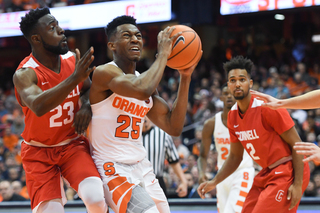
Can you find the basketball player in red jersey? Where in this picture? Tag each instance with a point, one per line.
(268, 136)
(48, 85)
(309, 100)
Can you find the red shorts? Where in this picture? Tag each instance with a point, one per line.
(44, 167)
(270, 188)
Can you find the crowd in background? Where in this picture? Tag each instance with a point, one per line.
(283, 69)
(281, 76)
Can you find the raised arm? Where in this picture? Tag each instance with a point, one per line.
(310, 100)
(172, 120)
(229, 166)
(110, 77)
(295, 190)
(41, 102)
(206, 141)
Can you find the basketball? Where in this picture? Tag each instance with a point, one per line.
(186, 48)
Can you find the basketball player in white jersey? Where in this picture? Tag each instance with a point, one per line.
(120, 99)
(231, 192)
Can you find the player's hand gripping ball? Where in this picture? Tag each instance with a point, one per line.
(186, 49)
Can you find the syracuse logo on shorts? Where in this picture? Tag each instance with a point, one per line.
(279, 195)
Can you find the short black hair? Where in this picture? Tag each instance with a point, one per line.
(224, 85)
(30, 20)
(120, 20)
(238, 62)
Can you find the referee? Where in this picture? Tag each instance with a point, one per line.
(160, 146)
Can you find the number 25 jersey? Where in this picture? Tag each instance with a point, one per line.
(115, 131)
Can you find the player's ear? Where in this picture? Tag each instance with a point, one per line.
(111, 46)
(251, 83)
(35, 38)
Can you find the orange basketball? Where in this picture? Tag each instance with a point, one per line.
(186, 49)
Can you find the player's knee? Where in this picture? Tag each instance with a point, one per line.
(50, 206)
(91, 192)
(141, 202)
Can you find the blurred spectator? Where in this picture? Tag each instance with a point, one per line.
(297, 86)
(192, 186)
(191, 161)
(15, 5)
(10, 140)
(13, 174)
(16, 186)
(17, 126)
(7, 192)
(183, 151)
(3, 110)
(197, 141)
(310, 190)
(19, 189)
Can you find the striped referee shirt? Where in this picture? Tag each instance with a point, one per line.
(159, 146)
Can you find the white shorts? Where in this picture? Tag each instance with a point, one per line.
(119, 180)
(231, 192)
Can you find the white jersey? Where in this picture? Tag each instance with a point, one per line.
(222, 143)
(115, 131)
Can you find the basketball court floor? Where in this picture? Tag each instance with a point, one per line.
(307, 205)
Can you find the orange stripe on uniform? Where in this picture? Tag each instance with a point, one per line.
(239, 203)
(243, 194)
(118, 192)
(116, 182)
(125, 201)
(244, 184)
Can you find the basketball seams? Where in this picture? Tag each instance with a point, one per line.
(191, 61)
(195, 36)
(187, 53)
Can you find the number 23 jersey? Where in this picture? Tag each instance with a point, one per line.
(115, 131)
(259, 131)
(55, 126)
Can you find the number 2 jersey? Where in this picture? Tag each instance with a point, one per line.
(115, 131)
(222, 143)
(53, 128)
(259, 131)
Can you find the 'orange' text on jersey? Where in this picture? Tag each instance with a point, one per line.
(130, 107)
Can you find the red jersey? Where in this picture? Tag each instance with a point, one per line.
(259, 131)
(55, 126)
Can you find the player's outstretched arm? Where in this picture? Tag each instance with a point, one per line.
(172, 120)
(270, 101)
(206, 141)
(310, 150)
(40, 102)
(230, 165)
(310, 100)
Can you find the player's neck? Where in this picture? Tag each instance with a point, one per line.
(243, 104)
(224, 116)
(51, 61)
(127, 67)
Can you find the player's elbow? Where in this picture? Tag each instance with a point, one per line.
(39, 112)
(38, 109)
(143, 94)
(175, 132)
